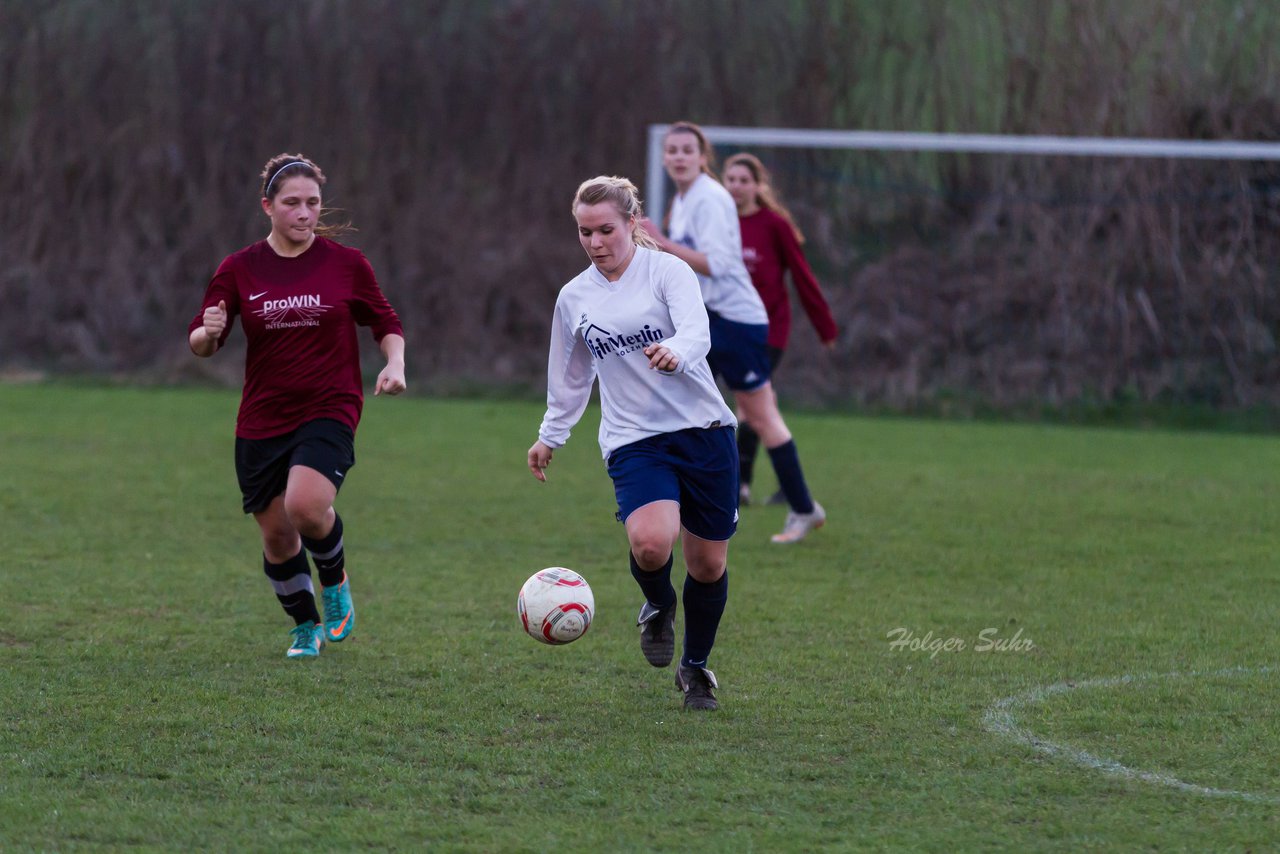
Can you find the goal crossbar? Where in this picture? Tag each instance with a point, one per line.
(1074, 146)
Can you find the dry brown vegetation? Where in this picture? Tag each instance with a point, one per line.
(455, 131)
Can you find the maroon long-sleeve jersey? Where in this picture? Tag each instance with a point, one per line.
(769, 249)
(300, 317)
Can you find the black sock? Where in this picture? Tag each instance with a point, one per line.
(703, 608)
(292, 583)
(327, 553)
(748, 444)
(786, 464)
(655, 585)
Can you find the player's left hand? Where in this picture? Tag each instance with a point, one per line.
(662, 358)
(391, 380)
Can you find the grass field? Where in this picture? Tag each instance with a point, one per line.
(147, 702)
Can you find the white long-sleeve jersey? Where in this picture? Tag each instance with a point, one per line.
(601, 328)
(706, 219)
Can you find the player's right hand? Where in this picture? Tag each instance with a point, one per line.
(215, 320)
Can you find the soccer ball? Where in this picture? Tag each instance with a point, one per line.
(556, 605)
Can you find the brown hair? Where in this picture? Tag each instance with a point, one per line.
(765, 196)
(704, 145)
(285, 166)
(625, 198)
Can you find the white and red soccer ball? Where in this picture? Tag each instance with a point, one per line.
(556, 605)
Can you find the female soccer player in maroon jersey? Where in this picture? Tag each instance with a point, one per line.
(770, 247)
(300, 296)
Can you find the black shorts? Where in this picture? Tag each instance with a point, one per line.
(262, 465)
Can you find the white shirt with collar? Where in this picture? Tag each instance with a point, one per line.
(600, 328)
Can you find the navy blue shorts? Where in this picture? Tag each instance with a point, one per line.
(739, 354)
(696, 468)
(262, 465)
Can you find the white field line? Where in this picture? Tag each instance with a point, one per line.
(999, 719)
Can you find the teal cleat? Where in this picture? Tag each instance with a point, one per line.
(339, 612)
(308, 638)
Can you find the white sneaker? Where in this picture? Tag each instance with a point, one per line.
(800, 524)
(744, 495)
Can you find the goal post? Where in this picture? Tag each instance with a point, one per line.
(656, 183)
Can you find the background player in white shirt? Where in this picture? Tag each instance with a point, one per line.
(635, 320)
(704, 232)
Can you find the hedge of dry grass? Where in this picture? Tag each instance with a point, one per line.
(455, 131)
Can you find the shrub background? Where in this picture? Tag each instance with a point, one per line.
(455, 132)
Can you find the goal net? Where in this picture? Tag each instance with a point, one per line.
(973, 270)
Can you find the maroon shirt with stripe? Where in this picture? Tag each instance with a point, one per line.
(769, 249)
(300, 317)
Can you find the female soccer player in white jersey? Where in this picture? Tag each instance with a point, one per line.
(635, 320)
(704, 232)
(299, 297)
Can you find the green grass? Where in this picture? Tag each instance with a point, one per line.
(146, 701)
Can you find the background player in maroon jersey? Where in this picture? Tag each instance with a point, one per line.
(300, 296)
(771, 243)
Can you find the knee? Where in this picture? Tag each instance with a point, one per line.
(650, 554)
(773, 431)
(310, 518)
(705, 569)
(280, 544)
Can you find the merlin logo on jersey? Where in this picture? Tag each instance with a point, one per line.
(602, 343)
(292, 312)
